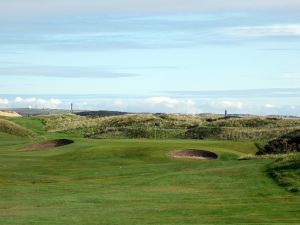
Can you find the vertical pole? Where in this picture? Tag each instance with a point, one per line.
(155, 131)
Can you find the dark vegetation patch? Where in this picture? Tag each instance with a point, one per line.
(100, 113)
(285, 144)
(223, 118)
(193, 153)
(199, 132)
(48, 144)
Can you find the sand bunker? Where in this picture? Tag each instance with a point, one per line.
(48, 144)
(193, 153)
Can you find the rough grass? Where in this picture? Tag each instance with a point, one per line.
(173, 126)
(286, 171)
(268, 156)
(14, 129)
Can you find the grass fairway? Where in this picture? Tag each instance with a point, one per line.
(135, 182)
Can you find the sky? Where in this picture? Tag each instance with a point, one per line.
(170, 56)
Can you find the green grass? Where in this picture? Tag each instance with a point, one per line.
(34, 124)
(134, 181)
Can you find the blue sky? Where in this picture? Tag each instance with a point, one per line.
(151, 56)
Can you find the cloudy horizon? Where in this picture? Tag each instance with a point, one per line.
(255, 102)
(151, 56)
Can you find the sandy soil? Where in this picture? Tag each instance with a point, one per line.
(47, 144)
(193, 153)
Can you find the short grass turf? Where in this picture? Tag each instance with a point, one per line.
(130, 182)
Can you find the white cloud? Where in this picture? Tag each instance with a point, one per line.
(166, 101)
(4, 101)
(273, 30)
(26, 100)
(18, 99)
(167, 104)
(38, 102)
(49, 103)
(225, 104)
(269, 106)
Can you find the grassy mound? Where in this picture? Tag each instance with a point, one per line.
(286, 171)
(14, 129)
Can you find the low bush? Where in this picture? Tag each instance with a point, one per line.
(287, 143)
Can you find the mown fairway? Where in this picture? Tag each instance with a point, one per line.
(135, 182)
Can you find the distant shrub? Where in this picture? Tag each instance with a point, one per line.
(278, 145)
(284, 144)
(292, 135)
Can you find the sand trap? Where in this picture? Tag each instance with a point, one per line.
(193, 153)
(47, 144)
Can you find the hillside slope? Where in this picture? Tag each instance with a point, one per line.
(12, 128)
